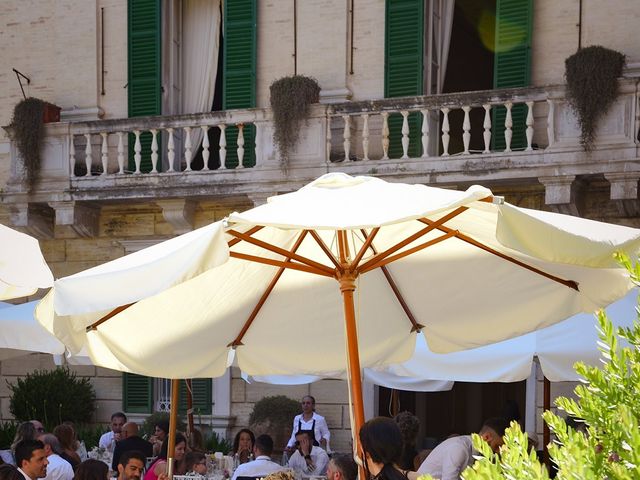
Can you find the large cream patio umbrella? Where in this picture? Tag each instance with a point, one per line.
(22, 267)
(345, 271)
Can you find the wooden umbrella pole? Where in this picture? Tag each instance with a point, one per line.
(347, 287)
(173, 424)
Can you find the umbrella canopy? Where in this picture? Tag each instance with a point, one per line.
(22, 267)
(360, 260)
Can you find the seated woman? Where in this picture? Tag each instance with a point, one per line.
(66, 435)
(160, 432)
(195, 463)
(92, 470)
(243, 446)
(159, 467)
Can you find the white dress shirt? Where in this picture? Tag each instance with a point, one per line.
(449, 459)
(26, 477)
(106, 441)
(318, 457)
(260, 467)
(58, 468)
(321, 429)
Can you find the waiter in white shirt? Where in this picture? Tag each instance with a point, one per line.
(310, 420)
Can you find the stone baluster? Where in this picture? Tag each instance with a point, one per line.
(205, 147)
(487, 128)
(508, 124)
(258, 143)
(87, 154)
(551, 138)
(223, 147)
(529, 126)
(72, 156)
(365, 136)
(425, 133)
(171, 154)
(120, 152)
(154, 150)
(466, 129)
(346, 135)
(405, 134)
(445, 132)
(328, 140)
(187, 148)
(105, 153)
(137, 149)
(240, 145)
(385, 136)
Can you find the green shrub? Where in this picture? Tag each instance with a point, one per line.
(7, 432)
(52, 396)
(278, 409)
(607, 404)
(90, 434)
(216, 443)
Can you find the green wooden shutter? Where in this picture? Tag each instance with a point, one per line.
(512, 65)
(239, 73)
(404, 53)
(202, 396)
(144, 73)
(137, 393)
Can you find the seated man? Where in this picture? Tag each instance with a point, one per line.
(57, 468)
(342, 467)
(131, 465)
(109, 439)
(262, 465)
(308, 459)
(31, 459)
(130, 441)
(451, 457)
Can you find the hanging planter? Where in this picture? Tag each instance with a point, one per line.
(592, 86)
(290, 100)
(29, 117)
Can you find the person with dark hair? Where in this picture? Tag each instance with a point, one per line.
(160, 432)
(243, 446)
(31, 459)
(308, 459)
(342, 467)
(451, 457)
(262, 465)
(92, 470)
(109, 439)
(309, 420)
(195, 463)
(9, 472)
(409, 425)
(68, 444)
(131, 465)
(25, 431)
(58, 468)
(130, 441)
(159, 467)
(381, 442)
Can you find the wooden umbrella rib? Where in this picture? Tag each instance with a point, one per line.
(281, 251)
(112, 313)
(280, 263)
(251, 231)
(367, 242)
(254, 313)
(409, 251)
(568, 283)
(377, 258)
(325, 249)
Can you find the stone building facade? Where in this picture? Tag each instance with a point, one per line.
(76, 55)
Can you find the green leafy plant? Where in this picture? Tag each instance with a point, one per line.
(290, 99)
(592, 86)
(7, 432)
(27, 131)
(89, 434)
(274, 415)
(216, 443)
(609, 446)
(52, 396)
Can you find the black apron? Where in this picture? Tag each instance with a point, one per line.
(311, 432)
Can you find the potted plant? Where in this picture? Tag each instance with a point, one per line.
(290, 100)
(27, 126)
(592, 86)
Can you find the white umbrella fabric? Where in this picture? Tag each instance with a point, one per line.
(275, 285)
(22, 267)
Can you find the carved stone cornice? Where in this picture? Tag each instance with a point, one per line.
(81, 218)
(179, 213)
(563, 194)
(33, 219)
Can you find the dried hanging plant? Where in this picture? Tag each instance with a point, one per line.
(290, 100)
(28, 130)
(592, 86)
